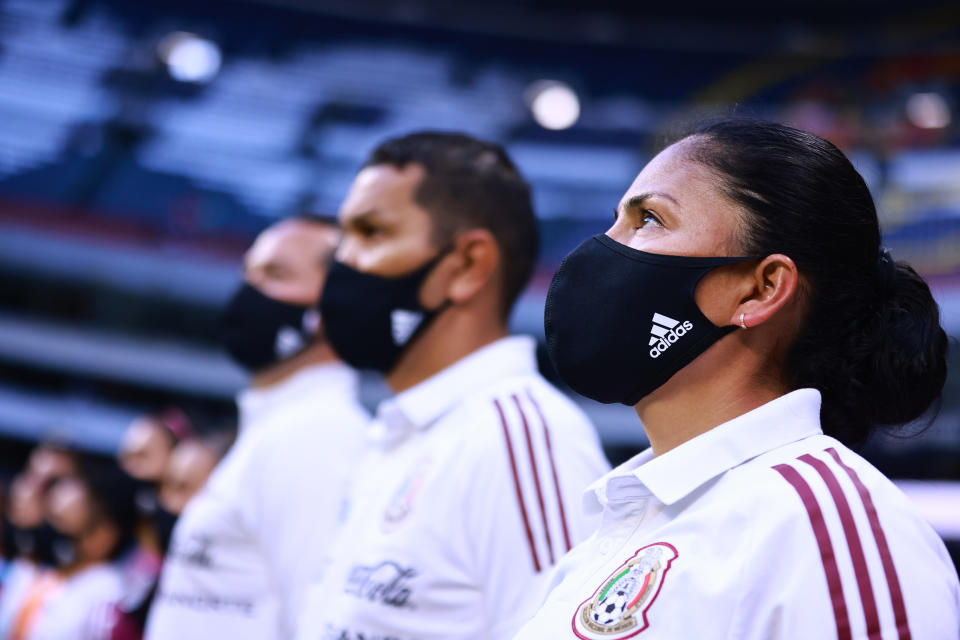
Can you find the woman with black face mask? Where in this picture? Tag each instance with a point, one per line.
(743, 304)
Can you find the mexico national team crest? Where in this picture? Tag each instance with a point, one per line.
(618, 608)
(402, 501)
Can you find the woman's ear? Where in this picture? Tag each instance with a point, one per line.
(774, 284)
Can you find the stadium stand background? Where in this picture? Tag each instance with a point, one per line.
(131, 180)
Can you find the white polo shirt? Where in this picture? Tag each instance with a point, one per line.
(469, 497)
(762, 528)
(245, 547)
(78, 608)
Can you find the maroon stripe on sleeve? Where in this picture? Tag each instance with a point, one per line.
(827, 557)
(536, 478)
(553, 470)
(860, 569)
(516, 483)
(889, 570)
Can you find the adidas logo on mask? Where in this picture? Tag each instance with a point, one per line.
(664, 332)
(402, 325)
(288, 342)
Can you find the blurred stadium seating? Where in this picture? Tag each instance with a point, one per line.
(127, 196)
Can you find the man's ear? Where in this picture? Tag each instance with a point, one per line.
(774, 284)
(478, 260)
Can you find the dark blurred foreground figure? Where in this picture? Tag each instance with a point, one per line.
(244, 546)
(90, 510)
(470, 491)
(742, 303)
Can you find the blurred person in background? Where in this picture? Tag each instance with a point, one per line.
(28, 544)
(92, 513)
(25, 532)
(51, 460)
(28, 537)
(470, 492)
(145, 453)
(4, 489)
(244, 547)
(189, 465)
(781, 333)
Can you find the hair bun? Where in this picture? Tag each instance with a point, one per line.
(886, 274)
(895, 355)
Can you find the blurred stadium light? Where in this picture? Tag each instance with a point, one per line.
(189, 58)
(928, 110)
(554, 105)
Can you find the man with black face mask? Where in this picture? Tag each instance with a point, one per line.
(244, 546)
(471, 491)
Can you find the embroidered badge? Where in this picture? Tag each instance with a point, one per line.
(618, 608)
(402, 501)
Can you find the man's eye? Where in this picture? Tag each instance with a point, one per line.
(368, 231)
(277, 273)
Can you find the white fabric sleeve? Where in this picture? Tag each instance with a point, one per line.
(297, 483)
(524, 504)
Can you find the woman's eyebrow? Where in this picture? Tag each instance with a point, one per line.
(636, 202)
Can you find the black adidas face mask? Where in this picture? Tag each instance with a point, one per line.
(259, 331)
(369, 320)
(620, 322)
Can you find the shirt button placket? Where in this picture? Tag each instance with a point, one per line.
(623, 526)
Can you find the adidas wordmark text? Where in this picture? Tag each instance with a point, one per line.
(664, 332)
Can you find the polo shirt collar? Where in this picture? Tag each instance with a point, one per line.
(677, 473)
(422, 405)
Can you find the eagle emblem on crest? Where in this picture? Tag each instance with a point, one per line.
(618, 608)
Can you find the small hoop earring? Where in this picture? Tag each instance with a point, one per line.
(743, 325)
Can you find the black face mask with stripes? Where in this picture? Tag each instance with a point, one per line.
(620, 322)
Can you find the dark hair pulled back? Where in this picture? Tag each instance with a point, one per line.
(871, 342)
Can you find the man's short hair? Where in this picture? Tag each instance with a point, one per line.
(471, 184)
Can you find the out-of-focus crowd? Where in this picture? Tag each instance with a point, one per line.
(84, 536)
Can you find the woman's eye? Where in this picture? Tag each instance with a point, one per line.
(649, 219)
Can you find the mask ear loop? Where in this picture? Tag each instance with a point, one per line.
(444, 251)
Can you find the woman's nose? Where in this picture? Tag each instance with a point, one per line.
(620, 230)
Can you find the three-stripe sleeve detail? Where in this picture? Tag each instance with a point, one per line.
(536, 478)
(827, 555)
(534, 471)
(517, 485)
(553, 472)
(886, 558)
(853, 544)
(840, 506)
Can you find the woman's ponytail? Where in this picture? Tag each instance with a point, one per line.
(871, 341)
